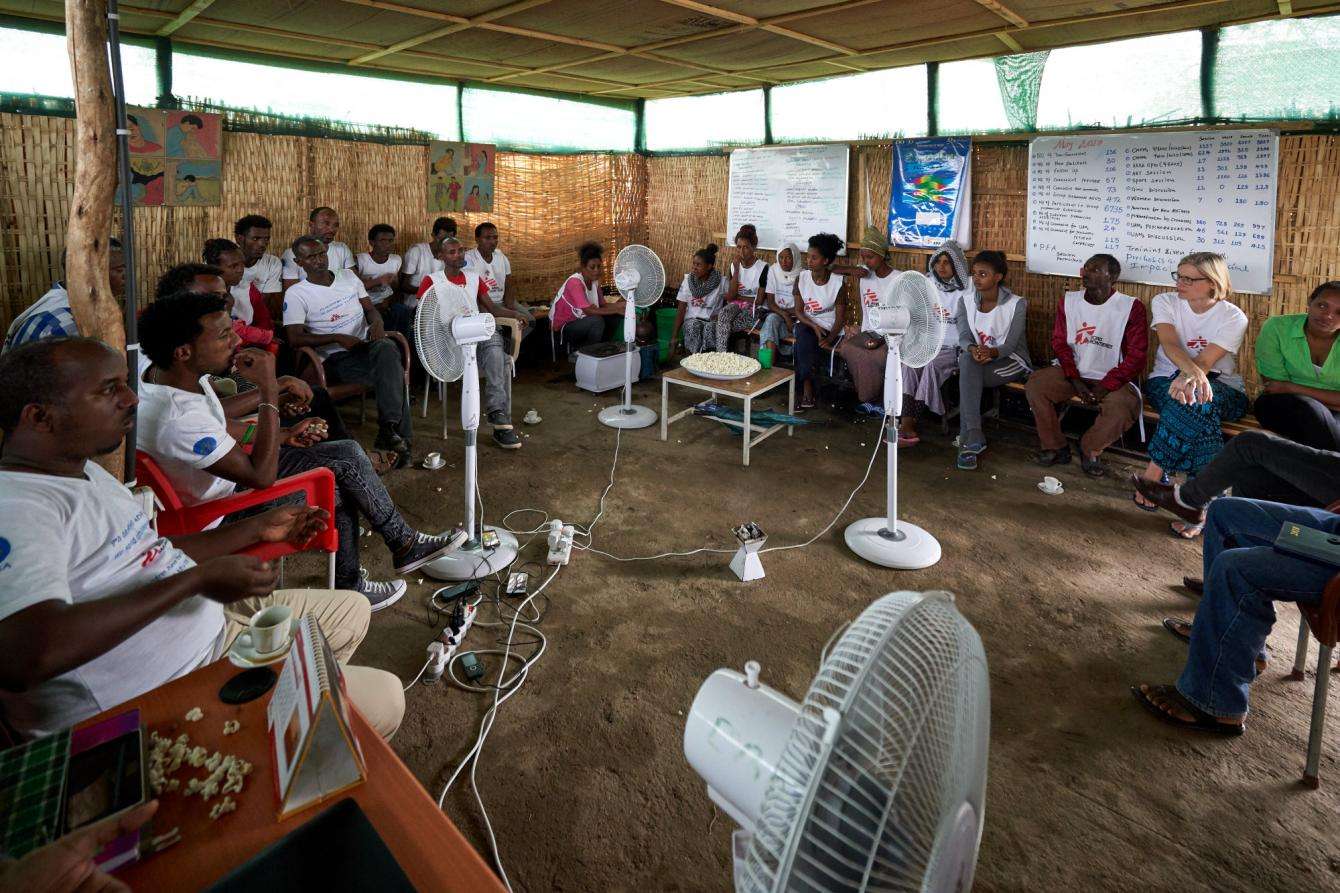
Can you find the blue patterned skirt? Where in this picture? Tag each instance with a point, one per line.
(1188, 437)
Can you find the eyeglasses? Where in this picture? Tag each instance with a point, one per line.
(1188, 280)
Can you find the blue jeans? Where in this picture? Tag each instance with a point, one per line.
(1244, 576)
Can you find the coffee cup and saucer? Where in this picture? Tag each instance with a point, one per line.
(1051, 486)
(266, 639)
(433, 461)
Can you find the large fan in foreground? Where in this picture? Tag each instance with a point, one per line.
(447, 332)
(640, 278)
(877, 780)
(913, 331)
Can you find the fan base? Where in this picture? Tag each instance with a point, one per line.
(473, 562)
(627, 416)
(914, 549)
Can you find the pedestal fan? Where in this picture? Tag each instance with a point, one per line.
(907, 320)
(877, 780)
(640, 278)
(447, 332)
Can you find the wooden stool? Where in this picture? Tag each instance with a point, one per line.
(1322, 621)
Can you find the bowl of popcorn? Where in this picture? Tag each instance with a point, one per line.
(720, 365)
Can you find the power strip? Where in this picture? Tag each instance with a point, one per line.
(560, 542)
(442, 649)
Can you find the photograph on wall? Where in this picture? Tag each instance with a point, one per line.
(194, 136)
(931, 197)
(460, 177)
(194, 183)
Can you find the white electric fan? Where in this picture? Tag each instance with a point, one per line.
(877, 781)
(912, 329)
(640, 278)
(447, 332)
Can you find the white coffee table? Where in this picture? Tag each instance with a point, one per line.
(746, 389)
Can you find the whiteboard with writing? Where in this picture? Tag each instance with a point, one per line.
(788, 192)
(1150, 199)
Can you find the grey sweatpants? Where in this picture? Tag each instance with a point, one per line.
(972, 378)
(495, 365)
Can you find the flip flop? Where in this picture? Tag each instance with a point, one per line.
(1144, 507)
(1203, 722)
(907, 440)
(382, 461)
(1187, 531)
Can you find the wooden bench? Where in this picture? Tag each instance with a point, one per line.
(1230, 429)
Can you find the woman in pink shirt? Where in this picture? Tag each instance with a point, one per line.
(578, 315)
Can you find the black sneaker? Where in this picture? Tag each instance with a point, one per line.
(380, 594)
(425, 548)
(1047, 458)
(507, 438)
(499, 419)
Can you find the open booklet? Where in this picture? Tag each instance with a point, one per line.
(316, 753)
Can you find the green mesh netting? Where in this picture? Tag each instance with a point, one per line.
(34, 63)
(546, 123)
(1020, 80)
(1279, 69)
(685, 123)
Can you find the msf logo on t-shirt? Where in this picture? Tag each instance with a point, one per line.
(1197, 343)
(151, 555)
(1087, 333)
(871, 299)
(986, 340)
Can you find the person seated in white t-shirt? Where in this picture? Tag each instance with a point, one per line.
(330, 312)
(50, 315)
(201, 449)
(495, 270)
(323, 223)
(379, 268)
(700, 297)
(261, 269)
(95, 607)
(424, 259)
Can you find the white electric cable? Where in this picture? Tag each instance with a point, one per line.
(421, 672)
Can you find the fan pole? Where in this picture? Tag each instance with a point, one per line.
(470, 425)
(626, 415)
(893, 408)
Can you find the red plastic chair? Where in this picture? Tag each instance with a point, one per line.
(176, 518)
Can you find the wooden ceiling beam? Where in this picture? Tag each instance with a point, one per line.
(1008, 39)
(715, 11)
(181, 18)
(1004, 12)
(1285, 7)
(453, 28)
(411, 11)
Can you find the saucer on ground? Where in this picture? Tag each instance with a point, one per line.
(1049, 491)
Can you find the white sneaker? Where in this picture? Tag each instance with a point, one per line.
(380, 594)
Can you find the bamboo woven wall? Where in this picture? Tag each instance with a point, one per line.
(546, 205)
(686, 208)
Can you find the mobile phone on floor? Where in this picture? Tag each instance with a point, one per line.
(516, 583)
(490, 539)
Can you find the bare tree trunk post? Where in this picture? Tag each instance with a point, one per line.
(96, 310)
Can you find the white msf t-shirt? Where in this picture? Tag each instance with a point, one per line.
(992, 327)
(267, 272)
(333, 309)
(873, 290)
(78, 540)
(704, 307)
(948, 305)
(1223, 324)
(419, 264)
(493, 273)
(1095, 331)
(185, 433)
(369, 267)
(820, 299)
(753, 281)
(782, 286)
(338, 257)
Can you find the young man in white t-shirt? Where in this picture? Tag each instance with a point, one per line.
(322, 224)
(264, 270)
(495, 271)
(95, 607)
(330, 312)
(184, 427)
(379, 268)
(424, 259)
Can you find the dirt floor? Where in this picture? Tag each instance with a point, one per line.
(584, 775)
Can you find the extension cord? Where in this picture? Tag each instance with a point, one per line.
(443, 649)
(560, 542)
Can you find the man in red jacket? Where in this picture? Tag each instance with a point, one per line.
(1100, 340)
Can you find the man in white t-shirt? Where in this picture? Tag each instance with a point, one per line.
(264, 270)
(323, 223)
(379, 268)
(330, 312)
(50, 315)
(495, 271)
(424, 259)
(95, 607)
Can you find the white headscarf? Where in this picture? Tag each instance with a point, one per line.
(782, 281)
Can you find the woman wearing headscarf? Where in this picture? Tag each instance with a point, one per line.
(948, 271)
(780, 293)
(743, 308)
(863, 348)
(700, 296)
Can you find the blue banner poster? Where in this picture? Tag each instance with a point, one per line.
(931, 199)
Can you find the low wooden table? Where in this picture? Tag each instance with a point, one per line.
(746, 389)
(429, 848)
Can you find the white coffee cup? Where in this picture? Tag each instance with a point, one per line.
(432, 460)
(1051, 484)
(268, 629)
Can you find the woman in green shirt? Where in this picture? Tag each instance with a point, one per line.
(1300, 367)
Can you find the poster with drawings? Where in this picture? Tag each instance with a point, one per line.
(1150, 199)
(461, 177)
(174, 157)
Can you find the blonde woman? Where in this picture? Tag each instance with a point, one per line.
(1194, 386)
